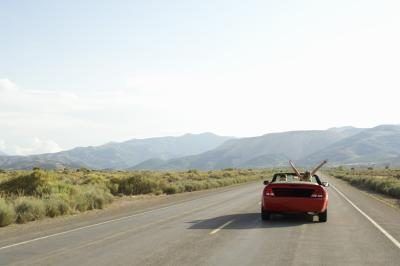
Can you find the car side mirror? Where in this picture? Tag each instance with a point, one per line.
(266, 182)
(325, 184)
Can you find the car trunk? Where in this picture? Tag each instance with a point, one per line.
(294, 197)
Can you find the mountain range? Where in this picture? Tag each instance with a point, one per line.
(118, 155)
(274, 149)
(341, 146)
(378, 145)
(346, 145)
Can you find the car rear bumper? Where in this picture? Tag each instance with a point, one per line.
(294, 205)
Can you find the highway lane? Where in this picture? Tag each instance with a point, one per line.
(224, 228)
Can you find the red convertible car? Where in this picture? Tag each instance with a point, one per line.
(290, 193)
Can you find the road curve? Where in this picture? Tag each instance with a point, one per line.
(222, 228)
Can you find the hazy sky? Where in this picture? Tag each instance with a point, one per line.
(78, 73)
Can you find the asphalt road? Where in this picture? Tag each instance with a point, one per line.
(220, 228)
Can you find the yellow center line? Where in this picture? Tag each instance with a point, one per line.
(221, 227)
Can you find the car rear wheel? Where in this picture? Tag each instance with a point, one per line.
(265, 215)
(323, 216)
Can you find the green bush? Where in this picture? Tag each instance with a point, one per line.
(94, 179)
(63, 188)
(32, 195)
(7, 213)
(97, 198)
(136, 185)
(170, 189)
(193, 171)
(373, 180)
(83, 170)
(89, 198)
(395, 191)
(79, 202)
(36, 183)
(29, 209)
(56, 205)
(113, 185)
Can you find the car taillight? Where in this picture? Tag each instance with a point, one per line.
(317, 194)
(269, 192)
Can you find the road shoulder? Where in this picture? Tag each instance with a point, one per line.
(120, 208)
(386, 215)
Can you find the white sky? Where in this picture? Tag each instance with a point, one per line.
(76, 74)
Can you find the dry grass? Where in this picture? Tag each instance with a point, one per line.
(385, 181)
(32, 195)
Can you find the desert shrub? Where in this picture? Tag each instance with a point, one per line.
(79, 202)
(36, 183)
(101, 181)
(227, 174)
(113, 187)
(170, 189)
(63, 188)
(212, 184)
(89, 198)
(29, 209)
(373, 181)
(66, 171)
(172, 179)
(34, 194)
(193, 171)
(83, 170)
(158, 192)
(189, 187)
(135, 185)
(97, 198)
(94, 179)
(56, 205)
(7, 213)
(214, 176)
(394, 191)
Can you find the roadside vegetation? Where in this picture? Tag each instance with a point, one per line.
(385, 181)
(31, 195)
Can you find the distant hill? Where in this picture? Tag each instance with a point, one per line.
(263, 151)
(347, 145)
(341, 146)
(28, 162)
(346, 131)
(378, 145)
(119, 155)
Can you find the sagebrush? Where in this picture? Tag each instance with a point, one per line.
(385, 181)
(32, 195)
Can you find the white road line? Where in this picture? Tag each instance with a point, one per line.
(81, 228)
(383, 231)
(114, 220)
(102, 223)
(222, 226)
